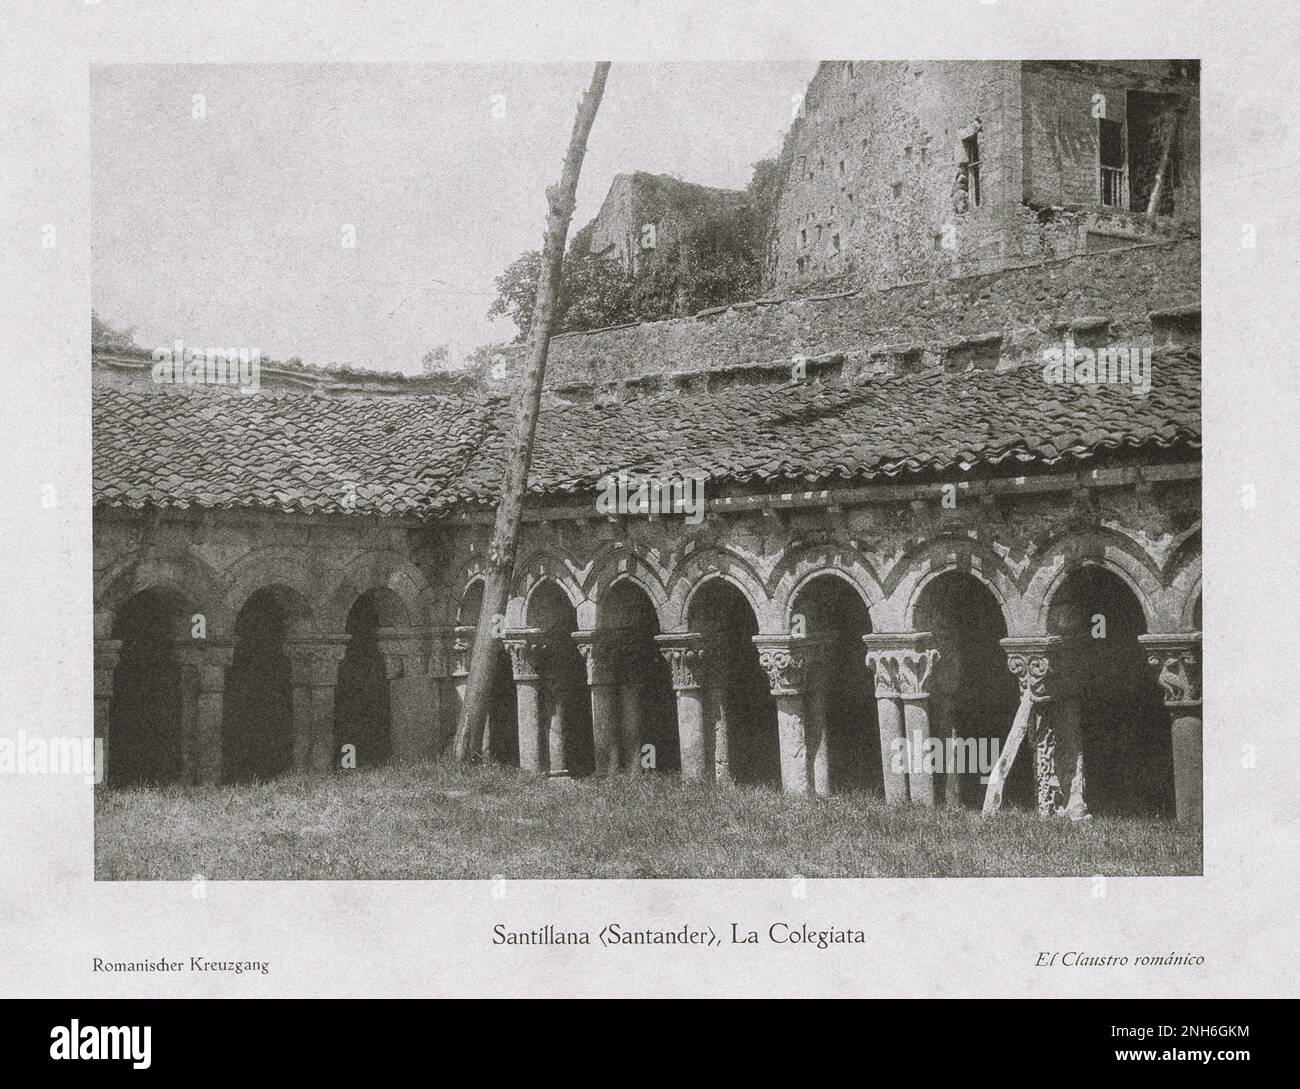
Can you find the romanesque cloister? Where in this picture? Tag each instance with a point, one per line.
(777, 653)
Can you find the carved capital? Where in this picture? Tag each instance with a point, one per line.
(314, 659)
(460, 644)
(405, 651)
(902, 662)
(1176, 657)
(207, 662)
(528, 648)
(1029, 659)
(602, 652)
(686, 654)
(791, 662)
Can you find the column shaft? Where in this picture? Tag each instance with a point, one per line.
(629, 724)
(794, 752)
(893, 752)
(916, 725)
(605, 704)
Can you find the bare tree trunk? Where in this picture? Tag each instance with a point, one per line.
(505, 536)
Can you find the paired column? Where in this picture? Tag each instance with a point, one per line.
(903, 663)
(602, 651)
(411, 700)
(1176, 658)
(203, 667)
(458, 643)
(528, 648)
(314, 668)
(795, 666)
(687, 656)
(108, 652)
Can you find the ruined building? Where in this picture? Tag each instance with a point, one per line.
(906, 170)
(912, 528)
(643, 215)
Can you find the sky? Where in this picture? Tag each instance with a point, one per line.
(224, 194)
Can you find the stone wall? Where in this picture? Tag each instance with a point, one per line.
(875, 164)
(879, 330)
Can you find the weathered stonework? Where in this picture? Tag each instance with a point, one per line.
(903, 170)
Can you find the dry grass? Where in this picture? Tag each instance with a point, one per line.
(435, 821)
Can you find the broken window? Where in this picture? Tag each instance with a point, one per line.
(1111, 150)
(969, 175)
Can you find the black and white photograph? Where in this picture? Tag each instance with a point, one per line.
(649, 500)
(843, 520)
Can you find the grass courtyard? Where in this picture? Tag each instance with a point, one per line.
(437, 821)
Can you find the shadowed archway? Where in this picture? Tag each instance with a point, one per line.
(828, 605)
(719, 610)
(257, 732)
(973, 695)
(646, 678)
(565, 688)
(145, 727)
(1125, 727)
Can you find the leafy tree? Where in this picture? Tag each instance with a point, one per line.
(595, 291)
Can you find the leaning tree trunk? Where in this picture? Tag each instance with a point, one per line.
(505, 536)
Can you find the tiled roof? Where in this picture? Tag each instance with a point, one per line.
(196, 447)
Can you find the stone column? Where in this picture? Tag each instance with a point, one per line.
(716, 698)
(686, 655)
(1053, 731)
(203, 668)
(459, 642)
(108, 652)
(790, 663)
(945, 701)
(902, 662)
(527, 648)
(553, 693)
(314, 668)
(411, 704)
(1177, 659)
(815, 696)
(635, 673)
(600, 651)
